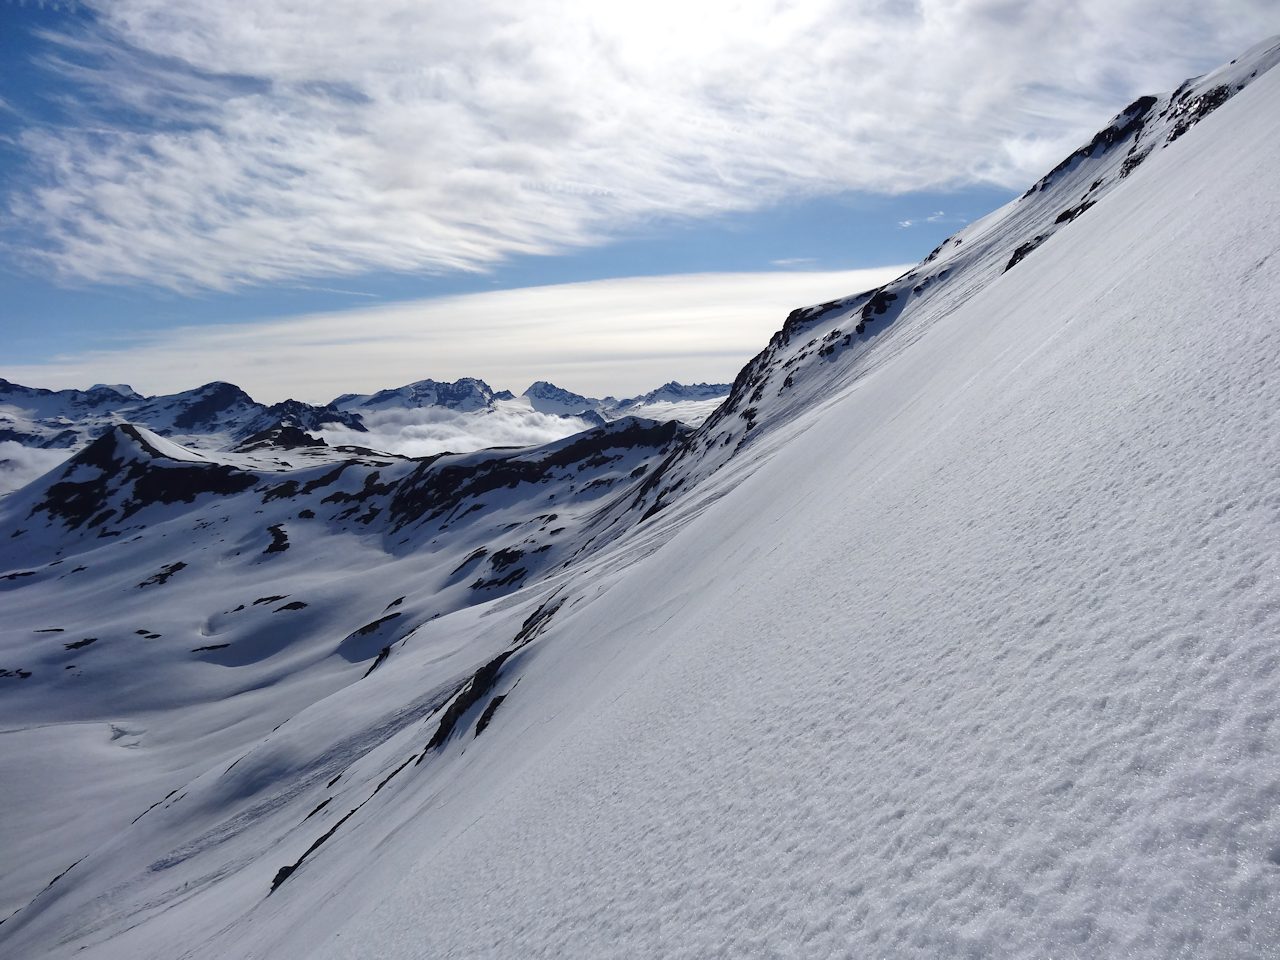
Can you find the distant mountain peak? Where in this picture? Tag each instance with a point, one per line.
(546, 397)
(466, 394)
(120, 389)
(674, 391)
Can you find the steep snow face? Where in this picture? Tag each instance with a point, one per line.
(992, 671)
(823, 349)
(970, 654)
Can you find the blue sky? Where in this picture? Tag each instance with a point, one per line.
(167, 166)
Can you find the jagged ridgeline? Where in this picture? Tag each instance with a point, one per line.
(221, 416)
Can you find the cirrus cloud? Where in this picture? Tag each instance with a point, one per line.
(224, 144)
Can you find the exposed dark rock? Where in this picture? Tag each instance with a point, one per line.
(1191, 111)
(209, 401)
(878, 304)
(154, 480)
(287, 490)
(1133, 161)
(289, 419)
(163, 575)
(469, 695)
(537, 621)
(510, 579)
(281, 436)
(1130, 121)
(61, 875)
(80, 643)
(378, 661)
(1021, 252)
(284, 873)
(1066, 216)
(436, 488)
(487, 717)
(471, 558)
(162, 800)
(323, 803)
(504, 558)
(369, 628)
(279, 539)
(371, 488)
(356, 648)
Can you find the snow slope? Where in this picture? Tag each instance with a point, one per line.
(961, 644)
(994, 672)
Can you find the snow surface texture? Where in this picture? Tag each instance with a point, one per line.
(971, 653)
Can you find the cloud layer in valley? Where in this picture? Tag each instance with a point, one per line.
(619, 337)
(222, 144)
(20, 465)
(428, 430)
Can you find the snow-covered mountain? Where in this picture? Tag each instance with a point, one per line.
(419, 419)
(688, 403)
(208, 416)
(950, 633)
(549, 398)
(546, 397)
(468, 394)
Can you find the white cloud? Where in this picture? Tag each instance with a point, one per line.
(619, 337)
(428, 430)
(286, 140)
(938, 216)
(20, 465)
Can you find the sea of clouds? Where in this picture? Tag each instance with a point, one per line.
(425, 431)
